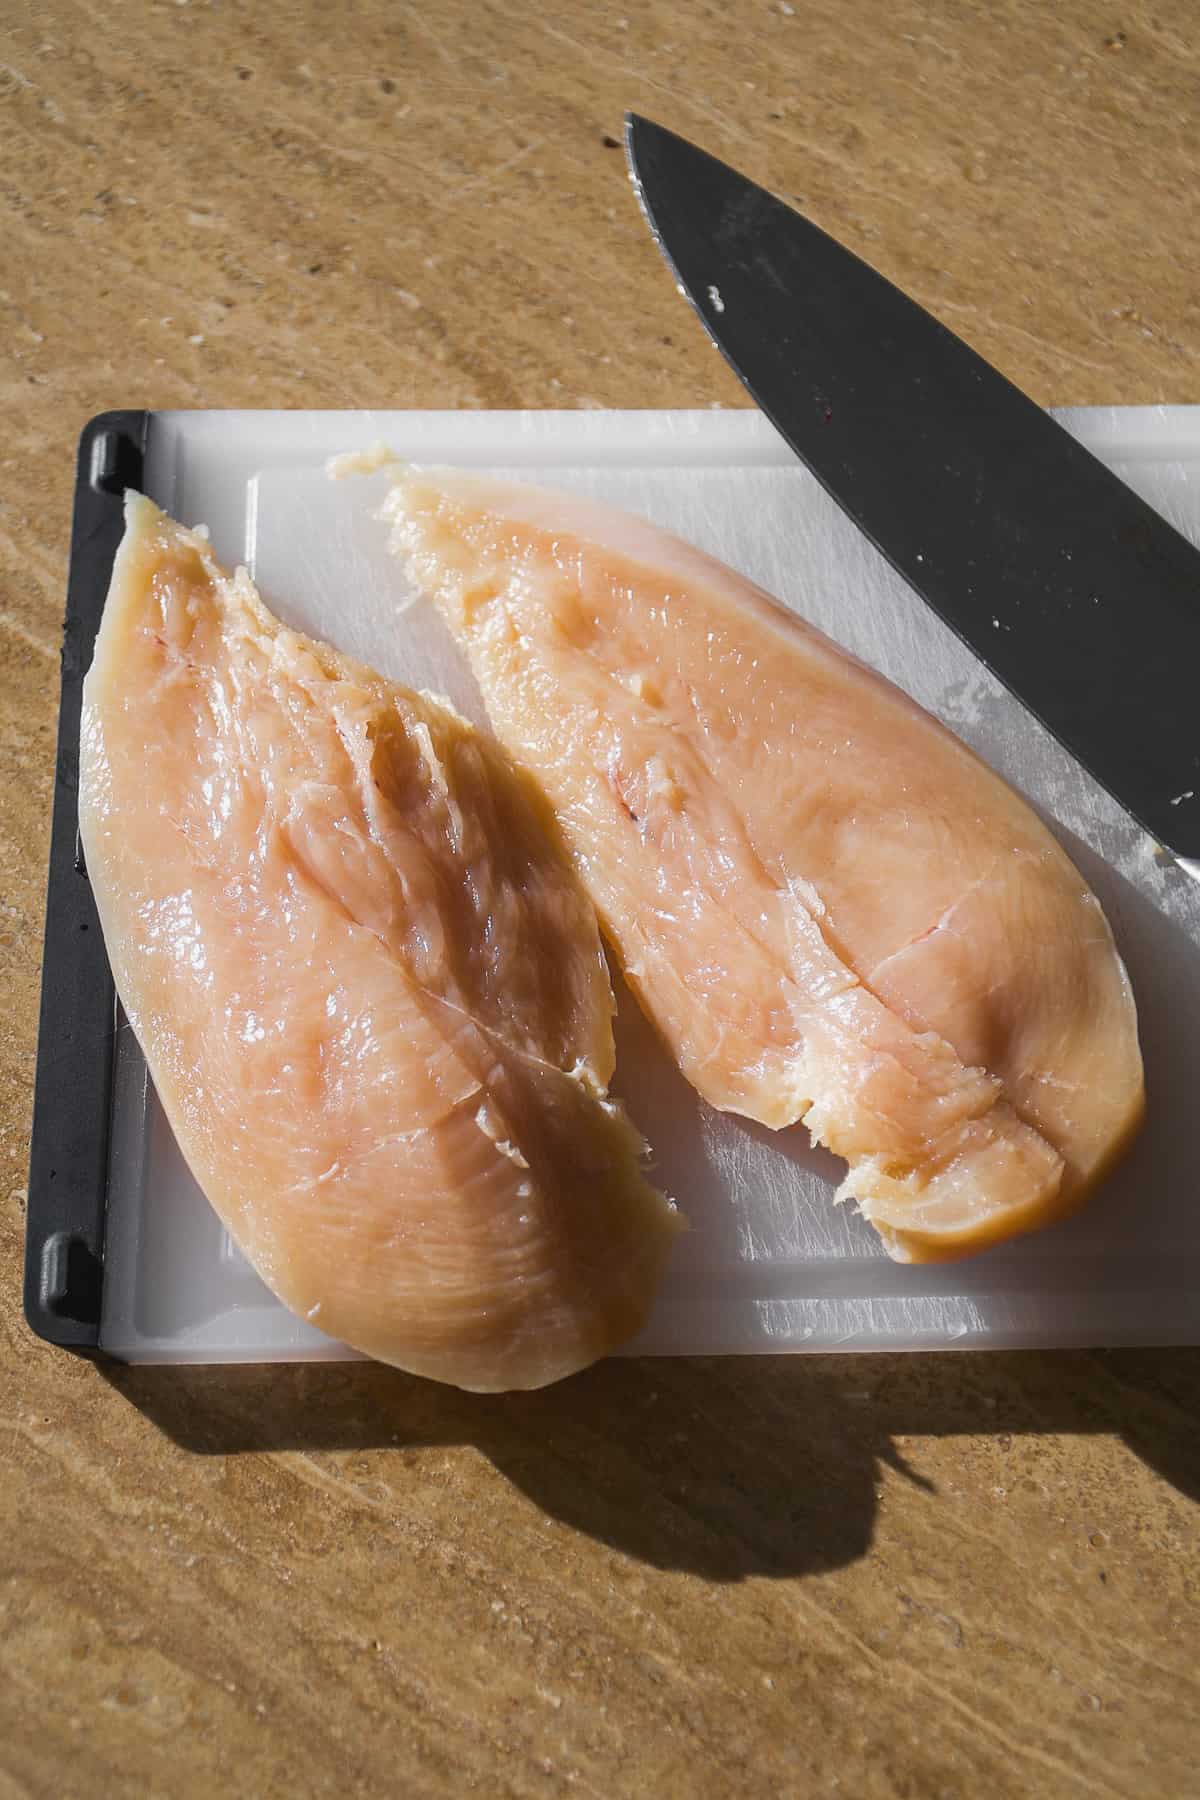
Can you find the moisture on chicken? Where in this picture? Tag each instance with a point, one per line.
(368, 985)
(829, 907)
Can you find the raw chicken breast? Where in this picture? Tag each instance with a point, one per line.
(830, 908)
(368, 986)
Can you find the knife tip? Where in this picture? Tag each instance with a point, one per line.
(634, 124)
(642, 137)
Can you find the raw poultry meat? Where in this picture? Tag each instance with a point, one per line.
(367, 983)
(829, 907)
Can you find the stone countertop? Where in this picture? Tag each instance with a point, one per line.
(936, 1575)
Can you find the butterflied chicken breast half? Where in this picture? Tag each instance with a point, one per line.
(830, 908)
(367, 982)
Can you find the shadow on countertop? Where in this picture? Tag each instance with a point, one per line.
(725, 1467)
(768, 1466)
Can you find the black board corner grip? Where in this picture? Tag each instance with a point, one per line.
(111, 456)
(68, 1161)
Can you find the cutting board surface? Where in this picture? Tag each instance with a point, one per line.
(769, 1263)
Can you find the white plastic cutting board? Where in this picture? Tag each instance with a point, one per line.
(769, 1262)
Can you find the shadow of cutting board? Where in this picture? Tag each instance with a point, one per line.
(769, 1263)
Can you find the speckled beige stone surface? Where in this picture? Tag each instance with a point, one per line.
(935, 1576)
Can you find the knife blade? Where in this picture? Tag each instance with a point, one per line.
(1075, 592)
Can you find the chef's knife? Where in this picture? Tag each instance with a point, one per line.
(1074, 592)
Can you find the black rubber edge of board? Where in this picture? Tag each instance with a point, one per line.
(72, 1104)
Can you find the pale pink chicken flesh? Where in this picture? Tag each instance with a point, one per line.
(829, 907)
(367, 983)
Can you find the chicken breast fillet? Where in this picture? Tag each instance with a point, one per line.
(829, 907)
(368, 985)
